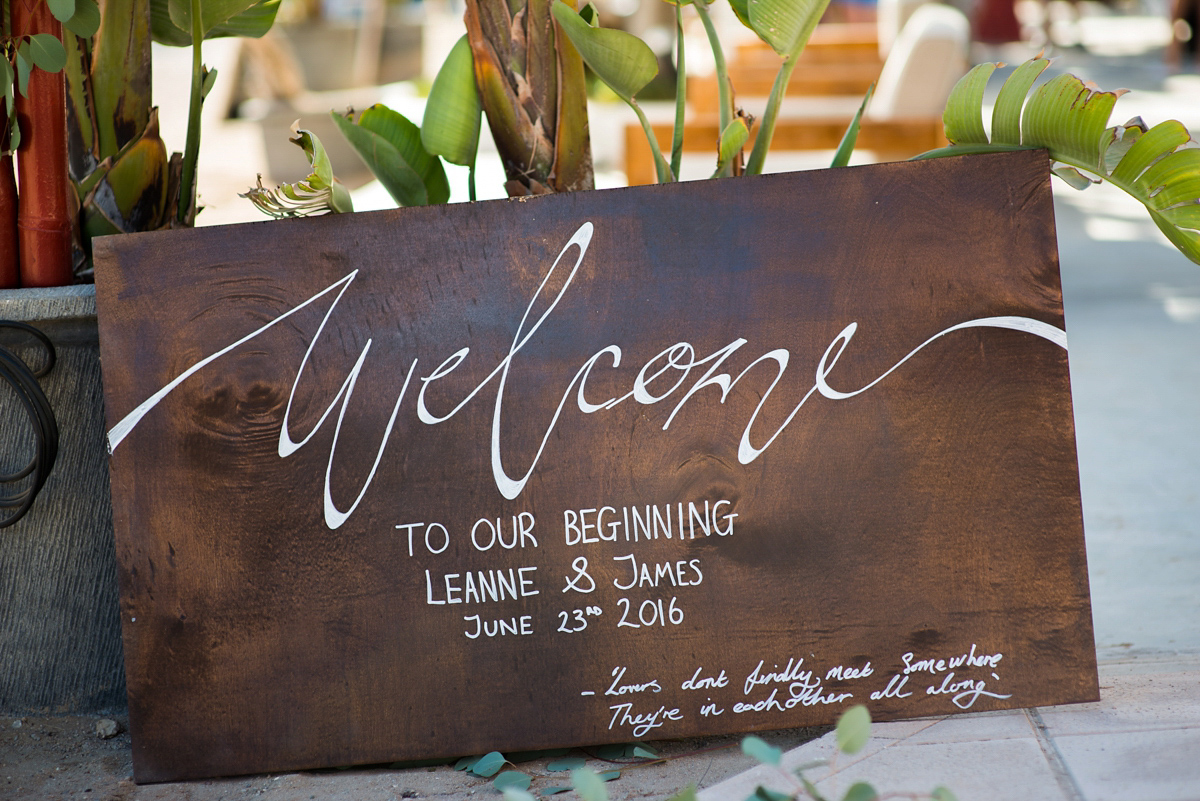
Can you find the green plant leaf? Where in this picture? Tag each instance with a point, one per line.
(811, 789)
(767, 794)
(621, 60)
(212, 12)
(809, 765)
(645, 752)
(320, 192)
(1068, 118)
(609, 775)
(450, 128)
(963, 117)
(846, 148)
(85, 21)
(466, 762)
(385, 162)
(732, 140)
(861, 791)
(761, 750)
(853, 729)
(1073, 177)
(589, 785)
(562, 765)
(62, 10)
(24, 67)
(1006, 115)
(941, 793)
(611, 751)
(488, 765)
(512, 779)
(46, 52)
(785, 25)
(253, 22)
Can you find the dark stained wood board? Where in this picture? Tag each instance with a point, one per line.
(916, 546)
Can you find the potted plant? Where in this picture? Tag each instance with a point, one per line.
(526, 74)
(80, 125)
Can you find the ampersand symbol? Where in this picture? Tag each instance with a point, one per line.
(580, 567)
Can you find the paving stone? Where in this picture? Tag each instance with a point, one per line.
(1149, 765)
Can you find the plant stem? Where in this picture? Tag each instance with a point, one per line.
(724, 95)
(766, 128)
(471, 182)
(191, 153)
(665, 175)
(680, 93)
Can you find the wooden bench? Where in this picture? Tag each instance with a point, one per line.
(889, 140)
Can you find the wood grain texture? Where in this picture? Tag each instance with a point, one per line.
(935, 515)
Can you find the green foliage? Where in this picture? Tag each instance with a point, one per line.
(253, 22)
(853, 729)
(450, 128)
(512, 779)
(390, 145)
(589, 785)
(563, 765)
(842, 157)
(861, 791)
(488, 765)
(319, 193)
(1070, 120)
(759, 749)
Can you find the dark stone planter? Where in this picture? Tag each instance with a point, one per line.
(60, 637)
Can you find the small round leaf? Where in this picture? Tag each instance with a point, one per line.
(853, 729)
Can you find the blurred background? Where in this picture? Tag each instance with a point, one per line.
(325, 55)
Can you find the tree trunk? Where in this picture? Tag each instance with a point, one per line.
(44, 218)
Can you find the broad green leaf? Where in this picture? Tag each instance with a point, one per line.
(254, 22)
(1063, 112)
(611, 751)
(450, 128)
(733, 139)
(963, 117)
(516, 793)
(1006, 115)
(513, 779)
(1174, 179)
(386, 162)
(609, 775)
(1151, 146)
(6, 78)
(811, 789)
(861, 791)
(85, 21)
(46, 52)
(621, 60)
(941, 793)
(645, 752)
(1072, 176)
(562, 765)
(588, 783)
(62, 10)
(1186, 216)
(842, 157)
(761, 750)
(853, 729)
(466, 762)
(24, 67)
(212, 12)
(767, 794)
(488, 765)
(590, 15)
(1069, 119)
(785, 25)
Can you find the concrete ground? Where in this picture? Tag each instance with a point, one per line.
(1133, 321)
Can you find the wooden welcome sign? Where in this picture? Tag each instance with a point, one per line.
(615, 465)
